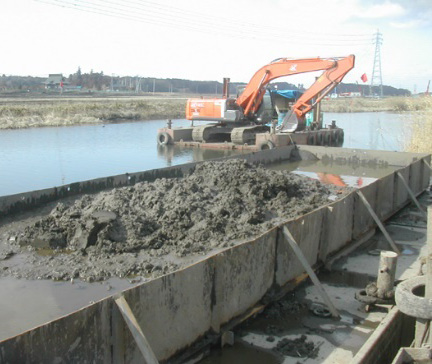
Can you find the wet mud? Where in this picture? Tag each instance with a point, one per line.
(145, 230)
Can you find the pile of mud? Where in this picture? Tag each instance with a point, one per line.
(131, 231)
(298, 347)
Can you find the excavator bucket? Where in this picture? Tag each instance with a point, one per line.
(289, 123)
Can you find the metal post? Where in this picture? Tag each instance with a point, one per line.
(378, 222)
(411, 194)
(294, 246)
(226, 86)
(428, 287)
(423, 325)
(132, 323)
(427, 164)
(386, 274)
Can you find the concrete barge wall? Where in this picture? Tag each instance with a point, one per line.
(196, 302)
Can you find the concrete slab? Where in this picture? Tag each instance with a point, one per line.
(337, 226)
(400, 192)
(306, 230)
(243, 275)
(363, 220)
(81, 337)
(385, 195)
(173, 311)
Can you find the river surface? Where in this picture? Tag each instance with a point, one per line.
(38, 158)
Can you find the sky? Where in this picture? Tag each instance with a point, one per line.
(212, 39)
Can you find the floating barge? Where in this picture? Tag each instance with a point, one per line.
(332, 136)
(172, 318)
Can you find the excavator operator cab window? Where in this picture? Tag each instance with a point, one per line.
(266, 109)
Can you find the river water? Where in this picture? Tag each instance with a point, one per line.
(38, 158)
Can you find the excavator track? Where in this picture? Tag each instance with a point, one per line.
(246, 135)
(201, 133)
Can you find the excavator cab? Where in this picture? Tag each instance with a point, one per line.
(266, 111)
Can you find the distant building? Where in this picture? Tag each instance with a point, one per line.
(350, 94)
(55, 81)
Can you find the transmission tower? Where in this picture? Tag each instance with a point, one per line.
(376, 79)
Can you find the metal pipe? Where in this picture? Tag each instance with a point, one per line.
(299, 254)
(411, 194)
(378, 222)
(226, 85)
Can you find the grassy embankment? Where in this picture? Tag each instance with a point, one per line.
(391, 104)
(421, 139)
(57, 112)
(419, 110)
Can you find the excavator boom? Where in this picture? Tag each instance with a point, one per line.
(335, 69)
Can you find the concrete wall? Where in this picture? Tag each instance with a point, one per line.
(174, 310)
(338, 226)
(395, 331)
(177, 309)
(307, 231)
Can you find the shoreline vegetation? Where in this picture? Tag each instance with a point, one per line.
(17, 113)
(28, 113)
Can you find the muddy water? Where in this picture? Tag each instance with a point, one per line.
(38, 158)
(333, 173)
(241, 353)
(28, 303)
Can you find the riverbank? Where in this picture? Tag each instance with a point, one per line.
(391, 104)
(17, 114)
(421, 139)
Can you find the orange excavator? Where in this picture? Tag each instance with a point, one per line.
(247, 115)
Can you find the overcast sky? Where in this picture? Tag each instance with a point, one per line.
(209, 40)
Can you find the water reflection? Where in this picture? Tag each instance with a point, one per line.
(174, 153)
(373, 130)
(340, 181)
(339, 174)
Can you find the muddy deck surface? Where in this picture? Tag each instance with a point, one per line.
(292, 331)
(152, 228)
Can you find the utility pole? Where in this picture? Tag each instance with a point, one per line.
(112, 82)
(376, 79)
(154, 85)
(138, 85)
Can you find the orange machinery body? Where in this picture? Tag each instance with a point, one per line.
(214, 109)
(205, 108)
(244, 109)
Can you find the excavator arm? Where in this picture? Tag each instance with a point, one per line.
(334, 71)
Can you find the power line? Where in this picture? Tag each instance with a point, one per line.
(225, 20)
(123, 12)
